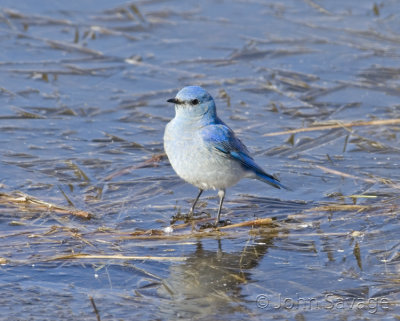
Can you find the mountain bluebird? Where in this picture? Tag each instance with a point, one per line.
(204, 151)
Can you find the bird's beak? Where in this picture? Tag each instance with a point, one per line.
(174, 101)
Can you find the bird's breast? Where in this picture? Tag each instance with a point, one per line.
(198, 162)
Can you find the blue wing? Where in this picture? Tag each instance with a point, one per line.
(222, 138)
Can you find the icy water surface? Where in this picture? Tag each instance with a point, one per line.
(83, 97)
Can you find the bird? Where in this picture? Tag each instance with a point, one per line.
(204, 151)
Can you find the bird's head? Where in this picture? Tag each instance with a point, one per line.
(193, 102)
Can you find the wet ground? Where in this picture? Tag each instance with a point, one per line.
(83, 90)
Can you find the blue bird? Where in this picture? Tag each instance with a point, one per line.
(204, 151)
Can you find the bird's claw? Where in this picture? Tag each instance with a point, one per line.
(220, 223)
(186, 218)
(181, 217)
(223, 223)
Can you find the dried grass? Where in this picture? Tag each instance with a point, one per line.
(337, 124)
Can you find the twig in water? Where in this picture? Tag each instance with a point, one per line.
(338, 125)
(338, 207)
(117, 257)
(19, 198)
(256, 222)
(368, 180)
(151, 162)
(95, 308)
(335, 172)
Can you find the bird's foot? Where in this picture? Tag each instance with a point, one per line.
(181, 217)
(215, 224)
(186, 218)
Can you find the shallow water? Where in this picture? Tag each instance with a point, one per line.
(83, 90)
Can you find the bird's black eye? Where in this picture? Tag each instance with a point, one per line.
(195, 101)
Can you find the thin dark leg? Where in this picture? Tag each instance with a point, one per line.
(194, 203)
(221, 194)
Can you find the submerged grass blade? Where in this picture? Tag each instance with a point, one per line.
(338, 124)
(18, 198)
(117, 257)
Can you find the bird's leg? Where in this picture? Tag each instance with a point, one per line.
(191, 211)
(186, 217)
(221, 194)
(218, 222)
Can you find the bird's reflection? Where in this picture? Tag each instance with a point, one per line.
(209, 282)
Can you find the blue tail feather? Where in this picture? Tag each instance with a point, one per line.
(269, 179)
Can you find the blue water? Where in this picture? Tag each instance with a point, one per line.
(83, 89)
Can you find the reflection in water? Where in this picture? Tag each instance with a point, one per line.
(209, 282)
